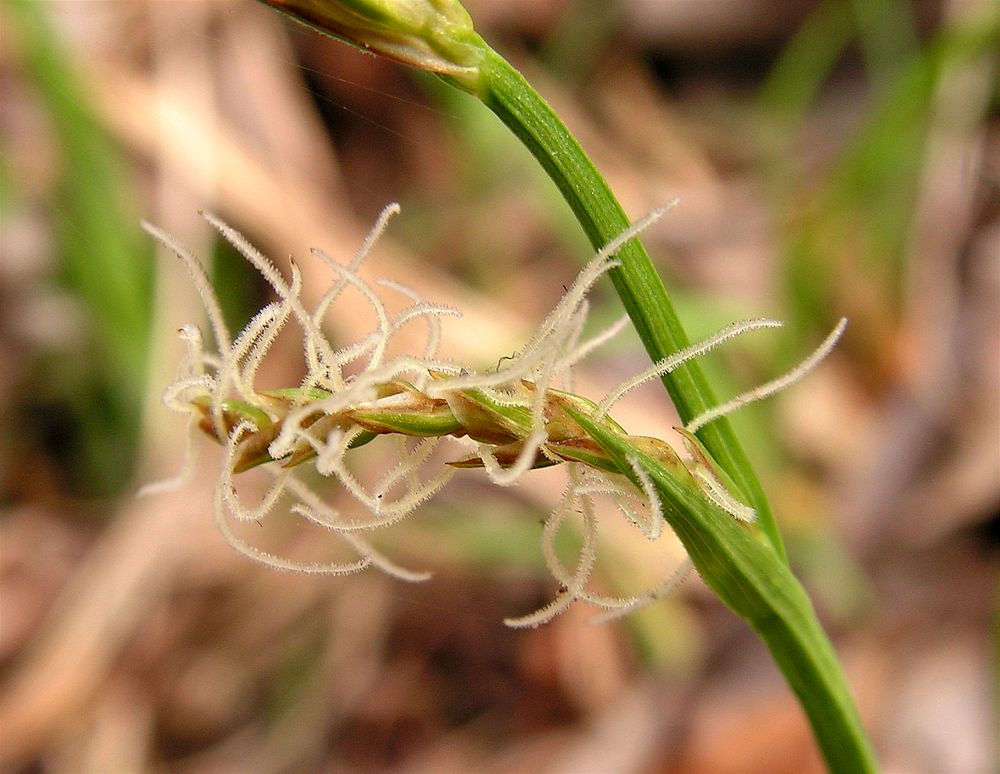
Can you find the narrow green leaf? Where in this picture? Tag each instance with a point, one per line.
(753, 581)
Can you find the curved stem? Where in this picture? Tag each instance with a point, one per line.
(506, 92)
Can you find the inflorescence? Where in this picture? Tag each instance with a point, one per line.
(512, 419)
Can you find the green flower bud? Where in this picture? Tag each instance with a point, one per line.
(408, 413)
(486, 419)
(434, 35)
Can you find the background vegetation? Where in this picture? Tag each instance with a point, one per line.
(832, 158)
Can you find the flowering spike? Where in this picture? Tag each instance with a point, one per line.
(514, 418)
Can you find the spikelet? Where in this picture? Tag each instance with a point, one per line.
(511, 420)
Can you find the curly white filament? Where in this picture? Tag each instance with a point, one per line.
(773, 386)
(320, 420)
(671, 362)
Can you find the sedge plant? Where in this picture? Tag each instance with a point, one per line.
(520, 416)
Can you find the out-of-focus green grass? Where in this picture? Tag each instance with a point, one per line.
(854, 230)
(847, 244)
(85, 403)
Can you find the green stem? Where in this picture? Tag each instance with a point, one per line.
(758, 586)
(505, 91)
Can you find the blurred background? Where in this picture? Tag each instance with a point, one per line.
(833, 158)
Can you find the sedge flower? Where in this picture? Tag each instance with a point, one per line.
(432, 35)
(507, 421)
